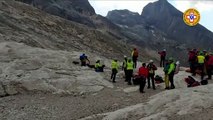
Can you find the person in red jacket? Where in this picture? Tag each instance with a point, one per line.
(210, 66)
(162, 57)
(143, 72)
(192, 61)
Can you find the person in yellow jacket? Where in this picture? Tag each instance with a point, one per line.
(166, 76)
(129, 68)
(114, 66)
(171, 72)
(99, 67)
(201, 61)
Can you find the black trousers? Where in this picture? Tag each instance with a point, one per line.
(210, 71)
(171, 80)
(113, 75)
(129, 76)
(201, 67)
(192, 67)
(151, 77)
(83, 63)
(134, 59)
(125, 73)
(142, 83)
(162, 61)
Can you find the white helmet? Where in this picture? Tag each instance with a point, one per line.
(151, 61)
(177, 62)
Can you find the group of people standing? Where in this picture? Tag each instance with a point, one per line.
(201, 61)
(145, 72)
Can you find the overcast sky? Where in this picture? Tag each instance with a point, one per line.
(204, 7)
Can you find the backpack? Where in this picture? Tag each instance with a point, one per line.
(177, 68)
(204, 82)
(158, 79)
(135, 53)
(81, 57)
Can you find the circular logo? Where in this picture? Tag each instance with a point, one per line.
(191, 17)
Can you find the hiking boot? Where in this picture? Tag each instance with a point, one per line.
(167, 88)
(173, 87)
(142, 92)
(114, 81)
(148, 87)
(129, 83)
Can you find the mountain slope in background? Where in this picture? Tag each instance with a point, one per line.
(168, 19)
(75, 10)
(159, 26)
(24, 24)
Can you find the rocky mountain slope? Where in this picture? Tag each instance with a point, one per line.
(74, 10)
(91, 20)
(25, 24)
(159, 26)
(39, 81)
(168, 19)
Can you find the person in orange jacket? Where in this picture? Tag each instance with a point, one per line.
(134, 57)
(162, 57)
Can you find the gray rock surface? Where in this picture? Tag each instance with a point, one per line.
(43, 70)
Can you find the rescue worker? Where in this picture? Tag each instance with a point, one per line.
(99, 67)
(124, 66)
(83, 58)
(151, 67)
(166, 76)
(210, 66)
(192, 61)
(114, 66)
(201, 61)
(162, 57)
(143, 72)
(130, 67)
(135, 57)
(171, 72)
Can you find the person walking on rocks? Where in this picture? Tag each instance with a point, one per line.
(151, 67)
(114, 66)
(135, 57)
(143, 73)
(130, 67)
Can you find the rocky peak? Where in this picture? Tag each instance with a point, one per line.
(167, 18)
(124, 17)
(74, 10)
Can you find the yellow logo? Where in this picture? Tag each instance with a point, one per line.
(191, 17)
